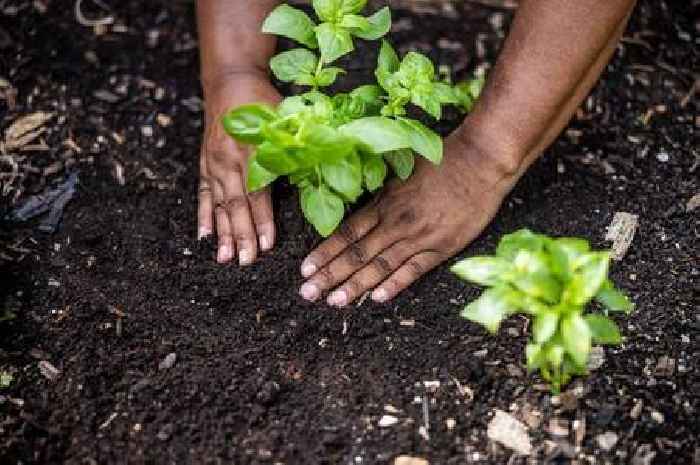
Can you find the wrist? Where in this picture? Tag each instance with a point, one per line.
(230, 76)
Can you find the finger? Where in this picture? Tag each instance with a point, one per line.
(354, 257)
(261, 209)
(205, 210)
(377, 270)
(350, 231)
(240, 220)
(223, 227)
(409, 272)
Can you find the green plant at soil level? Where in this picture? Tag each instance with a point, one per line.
(552, 281)
(6, 379)
(333, 148)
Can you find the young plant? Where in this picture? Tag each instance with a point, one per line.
(334, 148)
(551, 280)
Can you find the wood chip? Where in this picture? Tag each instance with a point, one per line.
(621, 232)
(26, 129)
(408, 460)
(509, 432)
(49, 371)
(693, 203)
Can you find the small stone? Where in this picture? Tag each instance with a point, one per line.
(49, 371)
(665, 366)
(387, 420)
(644, 455)
(408, 460)
(147, 131)
(106, 96)
(596, 359)
(168, 361)
(53, 282)
(636, 409)
(164, 120)
(431, 386)
(558, 427)
(693, 203)
(481, 353)
(165, 433)
(662, 156)
(450, 423)
(514, 371)
(657, 416)
(391, 409)
(509, 432)
(607, 440)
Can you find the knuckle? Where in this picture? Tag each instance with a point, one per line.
(381, 265)
(415, 268)
(353, 287)
(356, 254)
(234, 203)
(326, 277)
(347, 233)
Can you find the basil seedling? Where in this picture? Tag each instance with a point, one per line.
(552, 281)
(334, 148)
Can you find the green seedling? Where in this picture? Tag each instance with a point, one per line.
(552, 280)
(334, 148)
(6, 379)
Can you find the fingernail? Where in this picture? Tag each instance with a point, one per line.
(379, 295)
(264, 242)
(245, 257)
(338, 298)
(224, 254)
(308, 268)
(202, 233)
(309, 291)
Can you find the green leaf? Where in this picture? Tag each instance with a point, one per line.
(322, 208)
(613, 299)
(544, 326)
(523, 239)
(554, 354)
(423, 140)
(388, 59)
(290, 65)
(354, 22)
(291, 106)
(258, 177)
(591, 271)
(370, 94)
(291, 23)
(576, 337)
(327, 76)
(402, 162)
(485, 271)
(276, 159)
(490, 308)
(564, 252)
(476, 86)
(327, 144)
(416, 67)
(444, 93)
(374, 172)
(333, 41)
(378, 134)
(352, 6)
(328, 10)
(603, 329)
(244, 123)
(534, 356)
(345, 176)
(423, 97)
(378, 25)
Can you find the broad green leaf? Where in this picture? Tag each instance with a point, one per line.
(326, 143)
(302, 178)
(333, 41)
(532, 276)
(465, 101)
(603, 329)
(511, 244)
(444, 93)
(291, 106)
(327, 76)
(591, 271)
(352, 6)
(328, 10)
(344, 176)
(402, 162)
(290, 65)
(544, 326)
(291, 23)
(258, 177)
(554, 354)
(490, 308)
(613, 299)
(278, 136)
(322, 105)
(534, 356)
(485, 271)
(416, 67)
(371, 95)
(378, 25)
(576, 338)
(374, 172)
(378, 134)
(388, 59)
(564, 252)
(276, 159)
(528, 261)
(423, 140)
(354, 22)
(423, 97)
(476, 86)
(245, 122)
(322, 208)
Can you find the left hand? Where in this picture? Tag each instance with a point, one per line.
(411, 227)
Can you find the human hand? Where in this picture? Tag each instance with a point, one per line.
(411, 226)
(243, 222)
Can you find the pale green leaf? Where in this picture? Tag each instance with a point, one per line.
(334, 41)
(402, 162)
(322, 208)
(245, 123)
(378, 25)
(576, 338)
(291, 23)
(603, 329)
(485, 271)
(344, 176)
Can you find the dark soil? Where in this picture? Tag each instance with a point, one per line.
(262, 377)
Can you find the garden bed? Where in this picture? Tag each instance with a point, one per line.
(259, 375)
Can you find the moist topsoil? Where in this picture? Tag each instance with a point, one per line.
(259, 375)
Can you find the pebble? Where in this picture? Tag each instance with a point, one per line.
(509, 432)
(165, 433)
(168, 361)
(663, 157)
(636, 409)
(450, 423)
(596, 358)
(147, 131)
(106, 96)
(387, 420)
(607, 440)
(49, 371)
(693, 203)
(657, 416)
(408, 460)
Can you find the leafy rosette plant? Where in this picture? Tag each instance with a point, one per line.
(334, 148)
(552, 280)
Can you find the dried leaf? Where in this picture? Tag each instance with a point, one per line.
(26, 129)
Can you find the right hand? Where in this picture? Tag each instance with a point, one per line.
(243, 222)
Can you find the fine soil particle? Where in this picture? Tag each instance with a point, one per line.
(159, 355)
